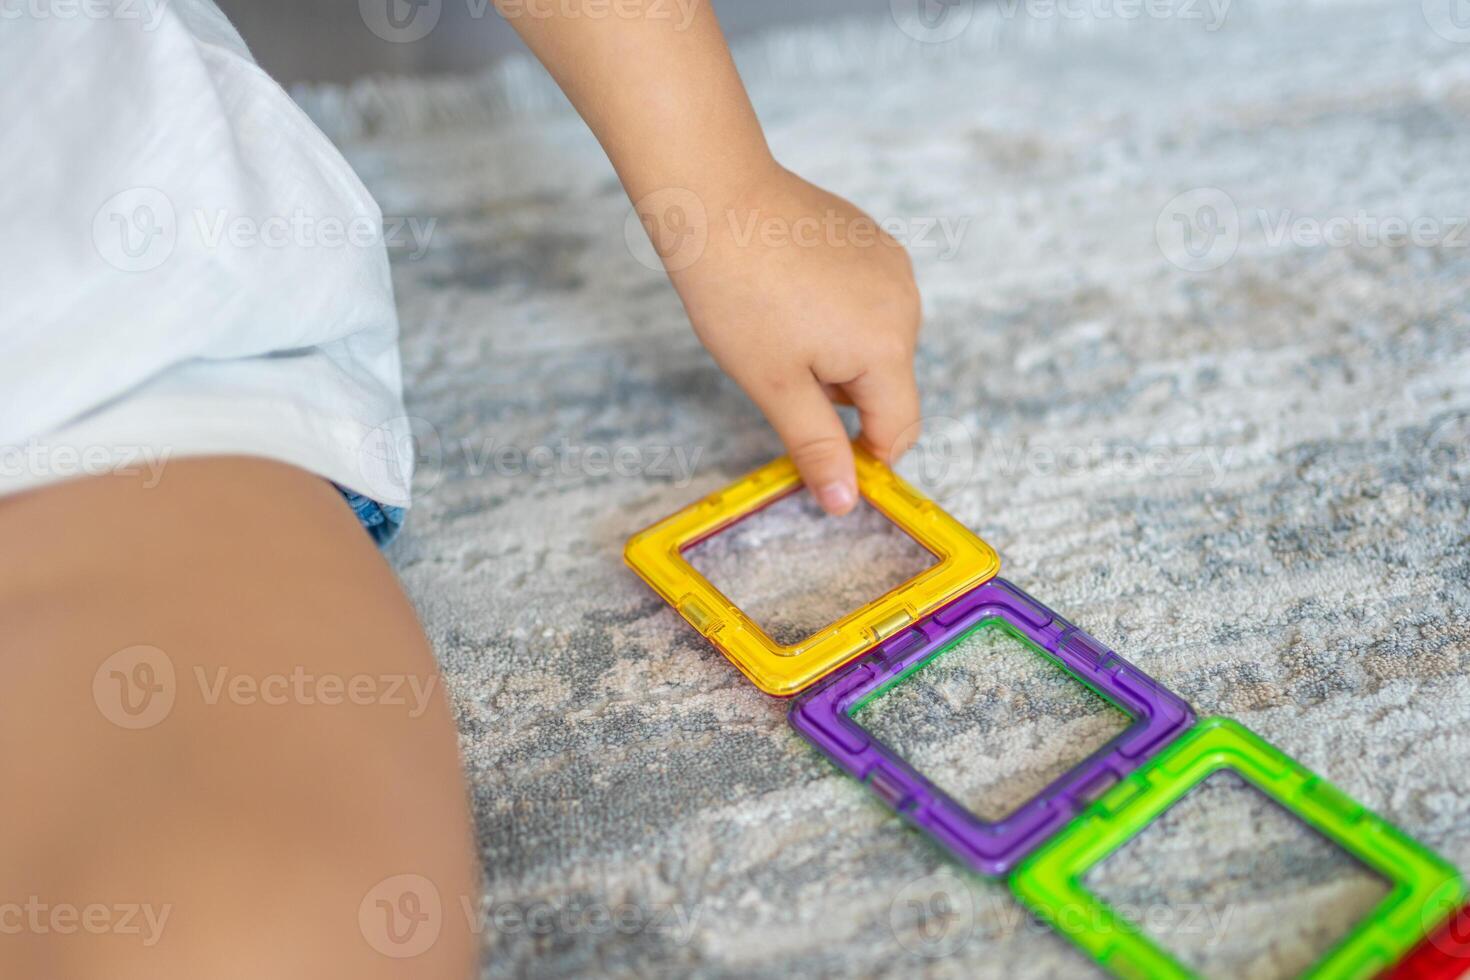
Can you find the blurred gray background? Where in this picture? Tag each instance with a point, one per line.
(327, 40)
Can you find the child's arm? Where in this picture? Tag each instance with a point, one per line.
(796, 293)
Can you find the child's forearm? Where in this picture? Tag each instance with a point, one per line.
(819, 307)
(656, 83)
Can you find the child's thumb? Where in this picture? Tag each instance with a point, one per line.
(813, 434)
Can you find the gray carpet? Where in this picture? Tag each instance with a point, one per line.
(1250, 479)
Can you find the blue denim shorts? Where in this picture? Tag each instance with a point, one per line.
(381, 521)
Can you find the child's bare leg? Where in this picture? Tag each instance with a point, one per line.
(260, 823)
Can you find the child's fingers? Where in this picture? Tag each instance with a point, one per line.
(887, 400)
(835, 394)
(813, 434)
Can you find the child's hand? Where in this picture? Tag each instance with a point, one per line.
(796, 292)
(804, 301)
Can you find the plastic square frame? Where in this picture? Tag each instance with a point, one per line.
(1424, 887)
(656, 554)
(824, 717)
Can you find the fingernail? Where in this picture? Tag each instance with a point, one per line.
(836, 498)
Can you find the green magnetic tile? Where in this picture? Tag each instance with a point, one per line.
(1424, 888)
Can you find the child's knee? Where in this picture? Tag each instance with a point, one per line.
(290, 864)
(258, 800)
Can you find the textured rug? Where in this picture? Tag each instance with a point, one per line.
(1228, 432)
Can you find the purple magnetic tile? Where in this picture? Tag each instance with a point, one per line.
(823, 717)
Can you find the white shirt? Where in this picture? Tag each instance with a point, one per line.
(187, 265)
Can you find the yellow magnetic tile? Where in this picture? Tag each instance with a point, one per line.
(657, 555)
